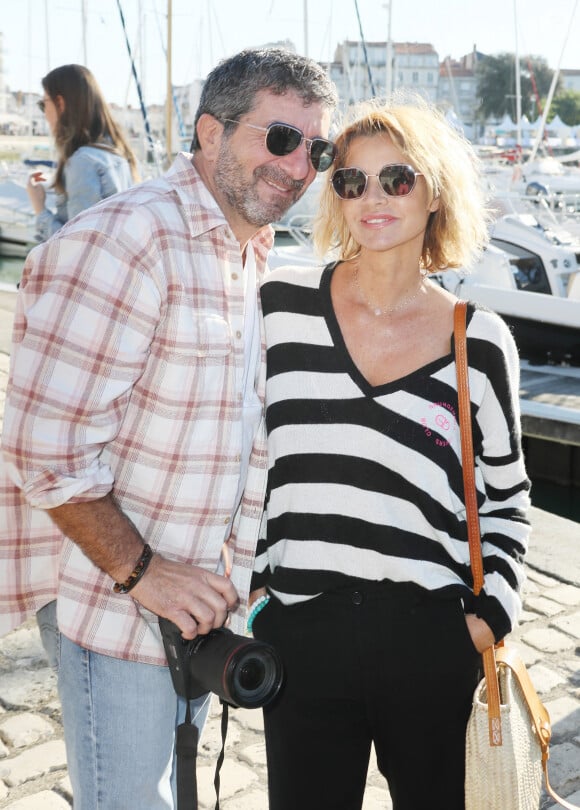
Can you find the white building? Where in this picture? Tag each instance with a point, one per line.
(361, 71)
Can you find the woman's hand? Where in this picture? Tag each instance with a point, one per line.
(480, 632)
(256, 595)
(36, 191)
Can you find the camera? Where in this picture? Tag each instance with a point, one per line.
(241, 671)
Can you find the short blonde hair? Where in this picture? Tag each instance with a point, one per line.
(458, 230)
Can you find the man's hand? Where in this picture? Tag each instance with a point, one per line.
(194, 599)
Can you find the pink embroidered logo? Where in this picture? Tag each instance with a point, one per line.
(441, 419)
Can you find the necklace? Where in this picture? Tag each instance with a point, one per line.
(376, 310)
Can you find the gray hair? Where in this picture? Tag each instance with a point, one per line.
(231, 87)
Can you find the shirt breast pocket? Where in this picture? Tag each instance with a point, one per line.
(214, 337)
(197, 335)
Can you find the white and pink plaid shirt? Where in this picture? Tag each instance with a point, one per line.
(127, 374)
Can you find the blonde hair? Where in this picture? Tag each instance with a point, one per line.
(458, 230)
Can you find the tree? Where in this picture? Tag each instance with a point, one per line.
(496, 85)
(567, 105)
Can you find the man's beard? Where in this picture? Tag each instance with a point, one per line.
(243, 194)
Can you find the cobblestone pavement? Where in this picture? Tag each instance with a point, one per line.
(33, 773)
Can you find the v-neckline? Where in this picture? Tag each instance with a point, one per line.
(349, 365)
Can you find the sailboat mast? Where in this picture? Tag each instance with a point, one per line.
(389, 54)
(169, 93)
(518, 82)
(540, 133)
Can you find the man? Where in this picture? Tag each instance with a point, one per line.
(133, 438)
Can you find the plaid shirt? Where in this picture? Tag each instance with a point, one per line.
(126, 374)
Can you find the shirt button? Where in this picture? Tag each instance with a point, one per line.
(357, 598)
(238, 334)
(226, 521)
(235, 276)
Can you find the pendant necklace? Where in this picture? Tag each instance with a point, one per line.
(376, 310)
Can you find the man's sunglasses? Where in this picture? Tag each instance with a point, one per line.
(395, 179)
(41, 105)
(283, 139)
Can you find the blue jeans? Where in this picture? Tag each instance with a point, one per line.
(119, 722)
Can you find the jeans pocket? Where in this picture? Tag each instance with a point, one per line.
(49, 633)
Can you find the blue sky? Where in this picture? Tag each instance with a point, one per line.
(41, 34)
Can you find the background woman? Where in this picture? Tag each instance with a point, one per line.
(366, 561)
(94, 158)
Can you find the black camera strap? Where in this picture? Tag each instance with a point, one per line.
(186, 742)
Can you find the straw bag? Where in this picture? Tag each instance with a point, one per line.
(508, 732)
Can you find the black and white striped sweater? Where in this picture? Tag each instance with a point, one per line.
(366, 481)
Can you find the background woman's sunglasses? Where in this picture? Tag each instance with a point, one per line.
(283, 139)
(395, 179)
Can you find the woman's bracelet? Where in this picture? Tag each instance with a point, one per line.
(258, 606)
(136, 573)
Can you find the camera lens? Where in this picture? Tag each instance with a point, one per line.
(251, 674)
(254, 675)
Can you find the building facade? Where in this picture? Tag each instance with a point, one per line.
(375, 69)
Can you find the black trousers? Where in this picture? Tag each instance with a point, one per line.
(378, 663)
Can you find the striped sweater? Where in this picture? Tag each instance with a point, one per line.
(366, 481)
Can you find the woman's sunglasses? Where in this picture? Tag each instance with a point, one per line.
(395, 179)
(283, 139)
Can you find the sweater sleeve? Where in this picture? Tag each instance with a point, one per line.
(501, 478)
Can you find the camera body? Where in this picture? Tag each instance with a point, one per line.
(241, 671)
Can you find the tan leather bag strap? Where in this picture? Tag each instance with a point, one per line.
(500, 655)
(472, 511)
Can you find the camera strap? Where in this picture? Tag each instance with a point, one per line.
(186, 742)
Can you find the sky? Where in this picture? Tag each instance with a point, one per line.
(39, 35)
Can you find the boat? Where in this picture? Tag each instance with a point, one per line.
(17, 220)
(550, 254)
(546, 327)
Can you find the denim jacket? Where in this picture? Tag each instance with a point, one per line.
(90, 175)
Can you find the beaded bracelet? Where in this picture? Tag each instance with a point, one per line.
(136, 573)
(258, 605)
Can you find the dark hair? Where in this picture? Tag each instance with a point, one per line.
(86, 118)
(231, 87)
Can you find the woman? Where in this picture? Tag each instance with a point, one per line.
(366, 561)
(94, 158)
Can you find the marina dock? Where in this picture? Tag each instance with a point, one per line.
(550, 406)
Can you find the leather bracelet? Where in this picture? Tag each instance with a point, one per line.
(136, 573)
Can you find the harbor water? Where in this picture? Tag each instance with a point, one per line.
(546, 495)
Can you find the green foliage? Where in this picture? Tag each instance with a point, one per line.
(496, 85)
(567, 105)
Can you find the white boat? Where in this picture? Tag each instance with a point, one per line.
(17, 219)
(546, 327)
(550, 254)
(547, 177)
